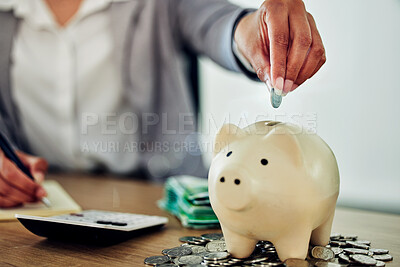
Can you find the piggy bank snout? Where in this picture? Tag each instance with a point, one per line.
(233, 189)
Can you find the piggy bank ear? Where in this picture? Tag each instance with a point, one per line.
(226, 135)
(287, 142)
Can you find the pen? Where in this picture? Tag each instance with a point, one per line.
(10, 154)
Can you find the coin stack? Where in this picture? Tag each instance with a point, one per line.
(210, 250)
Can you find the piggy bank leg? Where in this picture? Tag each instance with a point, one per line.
(321, 235)
(238, 246)
(293, 245)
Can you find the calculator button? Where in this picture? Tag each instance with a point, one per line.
(104, 222)
(119, 224)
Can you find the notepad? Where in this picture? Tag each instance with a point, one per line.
(61, 203)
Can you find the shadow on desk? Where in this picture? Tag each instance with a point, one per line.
(87, 235)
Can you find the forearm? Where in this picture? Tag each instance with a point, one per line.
(207, 26)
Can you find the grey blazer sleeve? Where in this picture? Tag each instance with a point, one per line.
(4, 130)
(207, 27)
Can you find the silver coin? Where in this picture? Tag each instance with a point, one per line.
(349, 237)
(213, 236)
(166, 265)
(179, 251)
(380, 264)
(216, 245)
(235, 259)
(202, 253)
(186, 239)
(175, 260)
(256, 259)
(335, 236)
(190, 259)
(327, 264)
(363, 259)
(276, 100)
(384, 257)
(337, 244)
(355, 251)
(216, 256)
(355, 244)
(344, 258)
(197, 249)
(379, 251)
(322, 253)
(365, 242)
(154, 260)
(296, 263)
(214, 261)
(336, 250)
(165, 251)
(267, 264)
(197, 241)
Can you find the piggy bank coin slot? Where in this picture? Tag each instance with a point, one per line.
(272, 123)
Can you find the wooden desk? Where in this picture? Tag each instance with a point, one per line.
(18, 247)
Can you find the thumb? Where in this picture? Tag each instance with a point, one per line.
(252, 43)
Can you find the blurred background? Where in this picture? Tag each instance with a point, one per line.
(352, 102)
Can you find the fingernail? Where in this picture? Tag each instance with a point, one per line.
(40, 192)
(294, 87)
(288, 86)
(39, 176)
(278, 85)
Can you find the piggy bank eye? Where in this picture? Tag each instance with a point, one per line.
(229, 153)
(264, 162)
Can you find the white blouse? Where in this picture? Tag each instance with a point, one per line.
(68, 87)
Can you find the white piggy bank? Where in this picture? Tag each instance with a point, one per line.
(273, 181)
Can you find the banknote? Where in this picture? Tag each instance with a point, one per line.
(186, 197)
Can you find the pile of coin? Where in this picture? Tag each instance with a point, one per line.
(351, 251)
(210, 250)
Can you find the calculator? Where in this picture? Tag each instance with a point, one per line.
(92, 226)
